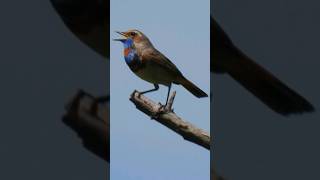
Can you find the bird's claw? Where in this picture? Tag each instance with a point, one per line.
(158, 112)
(167, 109)
(161, 110)
(139, 94)
(134, 94)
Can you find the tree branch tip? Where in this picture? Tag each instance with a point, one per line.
(174, 93)
(133, 94)
(169, 105)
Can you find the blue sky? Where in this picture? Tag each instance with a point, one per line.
(141, 148)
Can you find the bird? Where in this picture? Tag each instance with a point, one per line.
(229, 59)
(151, 65)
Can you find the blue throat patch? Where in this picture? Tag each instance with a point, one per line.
(128, 44)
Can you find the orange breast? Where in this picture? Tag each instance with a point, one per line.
(126, 51)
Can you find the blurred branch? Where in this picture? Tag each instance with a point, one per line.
(171, 120)
(89, 118)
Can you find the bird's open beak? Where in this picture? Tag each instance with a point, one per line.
(122, 34)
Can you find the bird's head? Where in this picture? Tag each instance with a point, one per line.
(134, 36)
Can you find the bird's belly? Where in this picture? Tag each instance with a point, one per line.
(155, 75)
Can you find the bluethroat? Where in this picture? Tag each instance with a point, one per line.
(151, 65)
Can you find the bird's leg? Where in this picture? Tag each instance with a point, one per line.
(169, 88)
(168, 107)
(165, 108)
(156, 87)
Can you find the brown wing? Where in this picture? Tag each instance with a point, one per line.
(160, 60)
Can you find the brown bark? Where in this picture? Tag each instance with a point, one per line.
(171, 120)
(166, 117)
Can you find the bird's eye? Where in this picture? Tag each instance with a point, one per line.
(132, 33)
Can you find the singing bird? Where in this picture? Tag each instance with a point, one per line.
(151, 65)
(227, 58)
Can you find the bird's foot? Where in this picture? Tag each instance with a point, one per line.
(158, 112)
(139, 94)
(161, 110)
(134, 94)
(167, 108)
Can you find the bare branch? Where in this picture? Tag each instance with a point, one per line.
(170, 101)
(171, 120)
(89, 118)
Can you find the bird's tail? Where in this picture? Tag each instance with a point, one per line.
(192, 88)
(266, 86)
